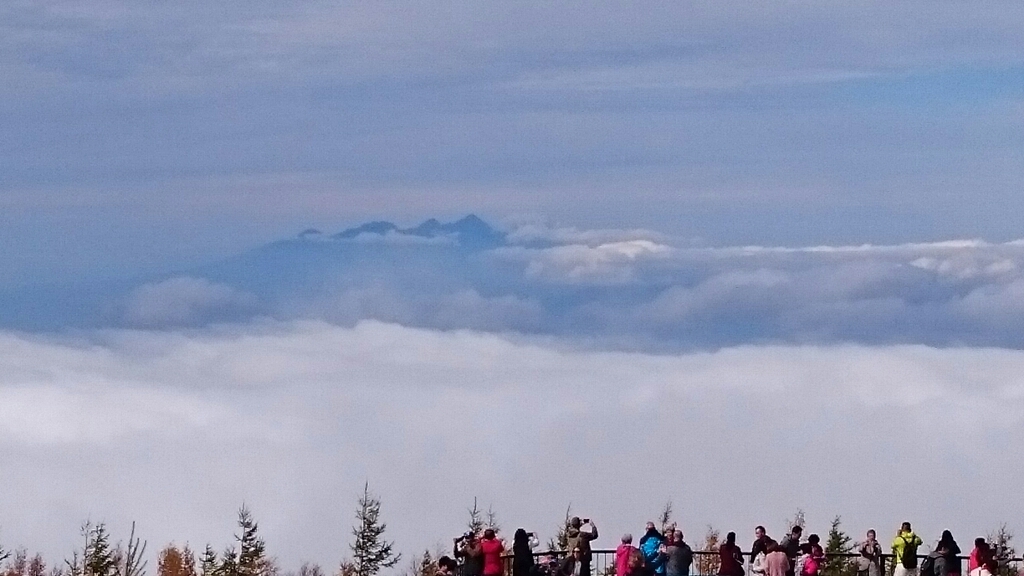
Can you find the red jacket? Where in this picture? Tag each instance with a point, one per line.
(492, 550)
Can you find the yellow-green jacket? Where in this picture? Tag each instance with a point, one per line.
(906, 543)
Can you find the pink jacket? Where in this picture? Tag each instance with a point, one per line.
(622, 559)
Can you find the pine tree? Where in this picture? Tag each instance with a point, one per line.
(228, 565)
(561, 540)
(492, 519)
(370, 551)
(252, 557)
(839, 542)
(208, 563)
(476, 521)
(100, 559)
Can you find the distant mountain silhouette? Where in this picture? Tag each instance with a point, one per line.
(470, 232)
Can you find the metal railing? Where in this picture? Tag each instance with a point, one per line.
(705, 563)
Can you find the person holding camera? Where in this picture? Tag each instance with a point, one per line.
(523, 543)
(577, 538)
(467, 548)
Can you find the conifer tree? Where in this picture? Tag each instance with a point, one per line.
(228, 565)
(370, 551)
(100, 559)
(561, 540)
(252, 558)
(208, 562)
(476, 520)
(491, 520)
(839, 543)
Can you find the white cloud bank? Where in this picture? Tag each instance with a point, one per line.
(176, 429)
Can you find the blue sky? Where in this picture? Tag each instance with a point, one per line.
(725, 224)
(167, 134)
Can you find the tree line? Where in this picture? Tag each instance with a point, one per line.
(246, 555)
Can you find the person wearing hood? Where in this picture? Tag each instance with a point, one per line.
(904, 550)
(629, 561)
(650, 546)
(945, 555)
(576, 537)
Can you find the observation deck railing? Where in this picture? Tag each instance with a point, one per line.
(706, 563)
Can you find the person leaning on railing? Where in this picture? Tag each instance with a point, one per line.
(946, 556)
(982, 561)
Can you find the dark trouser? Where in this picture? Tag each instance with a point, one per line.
(585, 566)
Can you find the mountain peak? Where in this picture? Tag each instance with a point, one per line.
(377, 227)
(470, 231)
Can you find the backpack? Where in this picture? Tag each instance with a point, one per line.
(927, 566)
(635, 560)
(909, 559)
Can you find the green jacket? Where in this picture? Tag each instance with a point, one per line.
(905, 543)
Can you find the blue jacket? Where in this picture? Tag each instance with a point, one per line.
(649, 545)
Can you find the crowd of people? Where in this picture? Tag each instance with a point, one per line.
(666, 553)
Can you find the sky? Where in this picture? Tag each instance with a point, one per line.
(749, 257)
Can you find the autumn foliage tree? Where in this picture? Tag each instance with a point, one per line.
(173, 561)
(709, 562)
